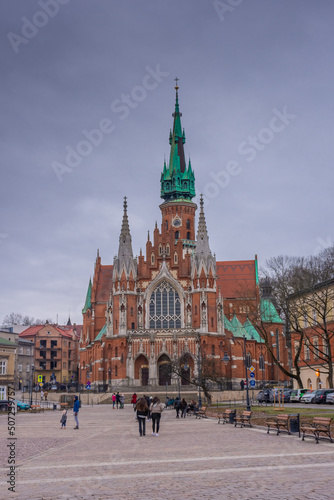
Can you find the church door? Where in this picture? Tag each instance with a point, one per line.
(164, 370)
(144, 375)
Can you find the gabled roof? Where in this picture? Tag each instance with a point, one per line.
(33, 330)
(269, 313)
(101, 333)
(252, 333)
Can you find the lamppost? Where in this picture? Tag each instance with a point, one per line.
(246, 372)
(31, 382)
(199, 376)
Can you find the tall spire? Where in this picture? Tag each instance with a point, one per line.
(202, 246)
(177, 181)
(125, 254)
(203, 257)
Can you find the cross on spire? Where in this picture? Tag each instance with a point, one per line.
(176, 80)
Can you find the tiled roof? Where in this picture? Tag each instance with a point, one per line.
(235, 276)
(33, 330)
(104, 284)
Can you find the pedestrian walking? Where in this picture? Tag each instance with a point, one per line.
(148, 402)
(42, 395)
(122, 400)
(46, 395)
(76, 411)
(142, 411)
(134, 401)
(177, 406)
(63, 419)
(113, 400)
(118, 400)
(183, 408)
(156, 409)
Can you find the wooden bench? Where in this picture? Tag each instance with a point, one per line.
(243, 419)
(320, 427)
(36, 408)
(225, 416)
(201, 413)
(281, 422)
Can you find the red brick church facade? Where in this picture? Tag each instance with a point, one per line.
(175, 305)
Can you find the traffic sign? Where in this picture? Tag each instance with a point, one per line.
(88, 382)
(40, 378)
(252, 383)
(252, 369)
(88, 386)
(252, 375)
(41, 385)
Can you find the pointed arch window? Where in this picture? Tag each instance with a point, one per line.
(160, 249)
(261, 362)
(188, 224)
(152, 258)
(167, 249)
(248, 360)
(177, 235)
(175, 258)
(188, 235)
(165, 307)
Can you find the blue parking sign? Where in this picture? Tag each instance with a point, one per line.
(252, 383)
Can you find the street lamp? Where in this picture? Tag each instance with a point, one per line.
(246, 371)
(199, 376)
(31, 382)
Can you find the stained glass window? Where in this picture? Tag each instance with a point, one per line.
(165, 307)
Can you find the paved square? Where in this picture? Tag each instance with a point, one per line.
(191, 459)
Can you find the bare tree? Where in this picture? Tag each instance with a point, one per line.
(20, 319)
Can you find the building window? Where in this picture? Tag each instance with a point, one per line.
(248, 360)
(152, 258)
(21, 350)
(131, 311)
(53, 344)
(69, 345)
(307, 351)
(42, 344)
(65, 342)
(160, 249)
(177, 235)
(64, 365)
(188, 224)
(195, 310)
(213, 350)
(261, 362)
(277, 345)
(188, 235)
(132, 326)
(28, 351)
(212, 322)
(167, 225)
(175, 258)
(164, 307)
(116, 370)
(167, 249)
(20, 368)
(28, 368)
(116, 352)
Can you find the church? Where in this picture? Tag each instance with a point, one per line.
(170, 315)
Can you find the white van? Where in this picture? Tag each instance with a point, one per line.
(296, 394)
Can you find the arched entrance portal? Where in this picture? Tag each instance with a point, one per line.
(164, 370)
(187, 368)
(141, 370)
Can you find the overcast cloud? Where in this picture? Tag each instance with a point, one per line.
(258, 69)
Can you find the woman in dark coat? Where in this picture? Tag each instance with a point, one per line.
(142, 411)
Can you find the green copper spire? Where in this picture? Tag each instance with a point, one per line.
(177, 181)
(88, 304)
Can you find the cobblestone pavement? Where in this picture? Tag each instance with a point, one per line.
(191, 459)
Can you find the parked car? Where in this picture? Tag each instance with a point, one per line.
(287, 395)
(321, 395)
(279, 397)
(4, 405)
(330, 398)
(21, 406)
(296, 395)
(264, 396)
(308, 397)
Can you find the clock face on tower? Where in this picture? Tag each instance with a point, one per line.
(177, 222)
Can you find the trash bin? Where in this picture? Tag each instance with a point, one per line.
(232, 416)
(54, 406)
(294, 423)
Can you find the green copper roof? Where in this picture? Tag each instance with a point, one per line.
(269, 313)
(177, 180)
(101, 333)
(88, 304)
(7, 342)
(252, 333)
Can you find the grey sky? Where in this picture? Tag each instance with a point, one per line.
(257, 60)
